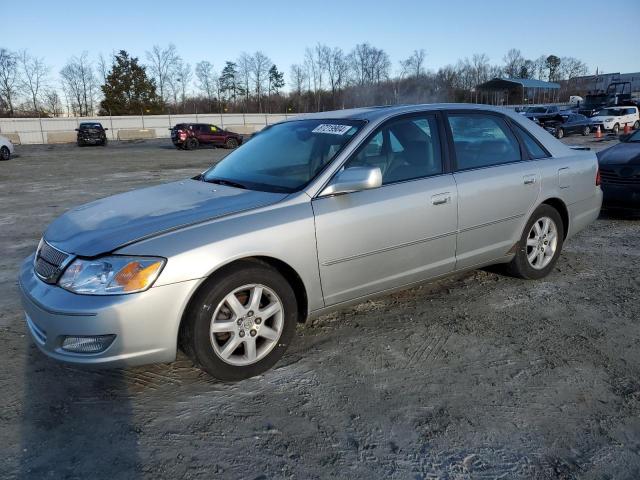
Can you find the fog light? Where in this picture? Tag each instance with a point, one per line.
(95, 344)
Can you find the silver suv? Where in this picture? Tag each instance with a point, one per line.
(310, 215)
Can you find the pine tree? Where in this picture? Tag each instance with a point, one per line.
(128, 89)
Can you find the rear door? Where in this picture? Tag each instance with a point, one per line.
(402, 232)
(497, 185)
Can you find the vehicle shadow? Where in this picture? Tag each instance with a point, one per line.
(619, 214)
(76, 423)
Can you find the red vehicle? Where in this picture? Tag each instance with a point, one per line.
(190, 136)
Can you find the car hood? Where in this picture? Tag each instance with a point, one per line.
(621, 154)
(104, 225)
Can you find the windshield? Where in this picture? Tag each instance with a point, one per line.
(284, 157)
(536, 110)
(90, 125)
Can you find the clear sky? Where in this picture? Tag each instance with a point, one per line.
(603, 37)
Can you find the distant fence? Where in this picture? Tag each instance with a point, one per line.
(62, 130)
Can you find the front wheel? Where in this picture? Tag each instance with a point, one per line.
(540, 245)
(586, 130)
(560, 133)
(231, 143)
(5, 154)
(241, 322)
(616, 129)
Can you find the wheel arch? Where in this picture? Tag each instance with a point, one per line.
(286, 270)
(561, 208)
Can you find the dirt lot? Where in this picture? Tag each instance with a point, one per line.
(477, 376)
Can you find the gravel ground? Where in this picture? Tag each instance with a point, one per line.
(476, 376)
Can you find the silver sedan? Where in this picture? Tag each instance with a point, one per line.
(310, 215)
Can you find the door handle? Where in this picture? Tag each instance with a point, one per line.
(441, 198)
(529, 179)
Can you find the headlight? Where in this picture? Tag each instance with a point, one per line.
(111, 275)
(608, 120)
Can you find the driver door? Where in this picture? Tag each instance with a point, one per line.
(402, 232)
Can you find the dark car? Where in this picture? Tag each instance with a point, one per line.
(541, 114)
(620, 173)
(567, 123)
(189, 136)
(91, 133)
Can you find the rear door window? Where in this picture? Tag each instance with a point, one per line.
(482, 140)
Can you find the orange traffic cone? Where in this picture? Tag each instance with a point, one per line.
(598, 132)
(627, 128)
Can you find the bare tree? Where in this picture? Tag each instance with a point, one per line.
(245, 67)
(369, 64)
(34, 77)
(162, 65)
(513, 63)
(9, 79)
(207, 80)
(480, 65)
(314, 61)
(260, 73)
(79, 84)
(179, 80)
(298, 76)
(337, 69)
(571, 67)
(52, 103)
(414, 65)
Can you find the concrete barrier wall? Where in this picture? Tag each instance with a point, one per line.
(61, 130)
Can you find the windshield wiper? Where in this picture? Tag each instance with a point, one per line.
(222, 181)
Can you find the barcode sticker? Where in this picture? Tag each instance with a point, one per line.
(332, 129)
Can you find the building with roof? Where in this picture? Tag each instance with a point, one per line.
(517, 91)
(590, 84)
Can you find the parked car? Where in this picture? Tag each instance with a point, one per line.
(620, 173)
(567, 123)
(190, 136)
(615, 118)
(541, 114)
(311, 215)
(91, 133)
(6, 148)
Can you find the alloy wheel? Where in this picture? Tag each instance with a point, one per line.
(542, 243)
(247, 325)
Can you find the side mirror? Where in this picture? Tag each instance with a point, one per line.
(77, 129)
(353, 180)
(106, 129)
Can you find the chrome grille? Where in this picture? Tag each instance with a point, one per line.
(49, 262)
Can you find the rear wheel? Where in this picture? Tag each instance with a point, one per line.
(231, 143)
(586, 130)
(5, 154)
(636, 125)
(241, 322)
(540, 245)
(191, 143)
(560, 132)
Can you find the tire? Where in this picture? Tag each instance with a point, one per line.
(586, 131)
(191, 143)
(560, 132)
(104, 143)
(80, 144)
(5, 154)
(231, 143)
(616, 129)
(636, 125)
(225, 353)
(540, 266)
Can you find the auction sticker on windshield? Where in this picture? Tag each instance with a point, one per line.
(332, 129)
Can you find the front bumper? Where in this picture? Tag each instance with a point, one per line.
(145, 324)
(621, 196)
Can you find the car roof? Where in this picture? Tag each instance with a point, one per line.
(380, 112)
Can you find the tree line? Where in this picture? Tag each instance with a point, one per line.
(326, 78)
